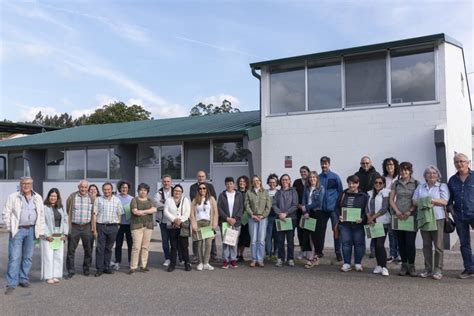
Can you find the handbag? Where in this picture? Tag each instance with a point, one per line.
(231, 236)
(449, 224)
(184, 228)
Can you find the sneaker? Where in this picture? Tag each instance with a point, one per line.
(180, 263)
(187, 267)
(398, 260)
(466, 274)
(390, 259)
(167, 262)
(403, 270)
(144, 269)
(412, 270)
(261, 264)
(208, 267)
(253, 263)
(116, 267)
(437, 276)
(346, 267)
(385, 272)
(225, 265)
(279, 263)
(200, 267)
(50, 281)
(359, 268)
(291, 263)
(424, 274)
(56, 280)
(233, 264)
(131, 271)
(338, 257)
(9, 291)
(377, 270)
(25, 284)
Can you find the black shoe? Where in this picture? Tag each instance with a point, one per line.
(320, 255)
(25, 284)
(131, 271)
(98, 273)
(338, 257)
(69, 275)
(108, 271)
(145, 269)
(170, 268)
(9, 290)
(240, 259)
(187, 267)
(86, 273)
(390, 259)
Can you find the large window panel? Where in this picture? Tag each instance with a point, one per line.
(324, 87)
(366, 80)
(287, 91)
(114, 165)
(413, 75)
(196, 157)
(171, 161)
(75, 161)
(16, 165)
(97, 163)
(229, 151)
(55, 164)
(148, 155)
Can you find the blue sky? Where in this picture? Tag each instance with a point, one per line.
(75, 56)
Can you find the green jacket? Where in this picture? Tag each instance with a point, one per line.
(258, 203)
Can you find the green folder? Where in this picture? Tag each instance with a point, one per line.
(351, 214)
(224, 228)
(244, 220)
(374, 230)
(56, 243)
(283, 225)
(205, 233)
(308, 223)
(128, 212)
(408, 225)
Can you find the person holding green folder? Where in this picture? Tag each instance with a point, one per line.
(285, 204)
(439, 194)
(352, 232)
(377, 212)
(123, 187)
(55, 230)
(313, 198)
(403, 207)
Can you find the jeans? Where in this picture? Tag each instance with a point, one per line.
(270, 237)
(289, 235)
(165, 240)
(393, 242)
(406, 246)
(258, 231)
(20, 253)
(229, 253)
(84, 233)
(462, 228)
(124, 230)
(106, 236)
(321, 226)
(352, 236)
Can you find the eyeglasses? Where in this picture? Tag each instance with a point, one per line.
(365, 163)
(203, 188)
(378, 182)
(460, 161)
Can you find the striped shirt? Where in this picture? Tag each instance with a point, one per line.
(81, 210)
(108, 211)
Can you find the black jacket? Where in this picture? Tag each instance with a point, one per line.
(223, 207)
(367, 178)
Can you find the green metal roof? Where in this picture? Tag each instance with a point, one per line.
(228, 124)
(436, 38)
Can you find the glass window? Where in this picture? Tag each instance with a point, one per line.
(324, 87)
(196, 157)
(97, 163)
(413, 75)
(16, 165)
(148, 155)
(114, 165)
(55, 164)
(366, 80)
(229, 151)
(3, 166)
(287, 91)
(171, 161)
(75, 161)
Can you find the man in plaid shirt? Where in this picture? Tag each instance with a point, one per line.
(108, 213)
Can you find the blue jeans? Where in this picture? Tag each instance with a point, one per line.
(257, 235)
(352, 236)
(20, 253)
(462, 228)
(165, 240)
(269, 244)
(393, 242)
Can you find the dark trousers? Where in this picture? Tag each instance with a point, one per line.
(83, 233)
(178, 242)
(289, 235)
(165, 242)
(309, 236)
(380, 253)
(106, 236)
(406, 246)
(300, 231)
(124, 230)
(321, 226)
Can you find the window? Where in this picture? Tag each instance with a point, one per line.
(75, 162)
(97, 160)
(55, 164)
(366, 80)
(196, 157)
(114, 165)
(413, 75)
(287, 90)
(229, 151)
(171, 161)
(3, 166)
(148, 155)
(324, 87)
(16, 165)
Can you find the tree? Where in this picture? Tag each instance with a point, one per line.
(118, 112)
(62, 120)
(203, 109)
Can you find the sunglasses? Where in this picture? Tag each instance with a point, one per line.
(378, 182)
(203, 188)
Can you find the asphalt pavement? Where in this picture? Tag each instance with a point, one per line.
(242, 291)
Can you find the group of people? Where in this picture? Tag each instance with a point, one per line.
(393, 204)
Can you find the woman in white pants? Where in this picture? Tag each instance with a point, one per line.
(55, 226)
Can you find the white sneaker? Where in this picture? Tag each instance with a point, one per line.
(377, 270)
(167, 262)
(199, 267)
(112, 264)
(181, 263)
(279, 263)
(116, 266)
(346, 267)
(385, 272)
(291, 263)
(358, 268)
(208, 267)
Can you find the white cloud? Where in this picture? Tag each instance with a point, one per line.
(217, 100)
(28, 113)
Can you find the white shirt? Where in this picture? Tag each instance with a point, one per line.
(230, 201)
(203, 211)
(166, 194)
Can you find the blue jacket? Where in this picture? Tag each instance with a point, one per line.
(315, 201)
(462, 196)
(333, 187)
